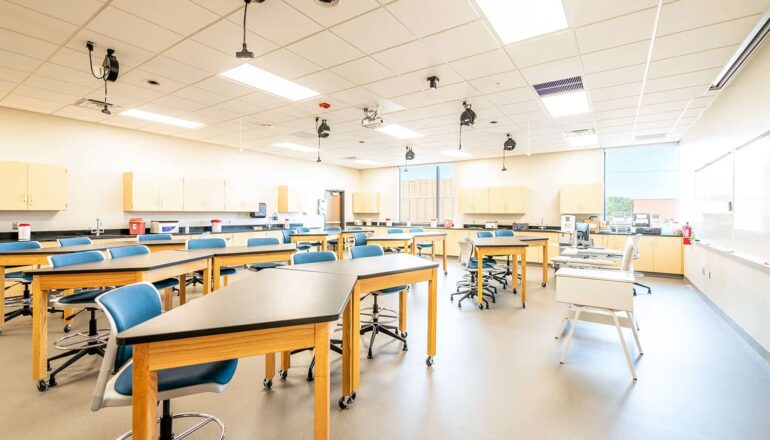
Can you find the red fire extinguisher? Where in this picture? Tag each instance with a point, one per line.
(686, 233)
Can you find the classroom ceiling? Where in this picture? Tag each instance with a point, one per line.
(367, 52)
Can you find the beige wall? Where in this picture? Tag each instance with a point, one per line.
(543, 174)
(97, 155)
(739, 114)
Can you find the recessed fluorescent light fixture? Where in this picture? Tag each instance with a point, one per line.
(457, 154)
(263, 80)
(155, 117)
(516, 20)
(367, 162)
(399, 131)
(565, 104)
(583, 141)
(294, 147)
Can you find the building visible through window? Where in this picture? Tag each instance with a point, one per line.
(426, 193)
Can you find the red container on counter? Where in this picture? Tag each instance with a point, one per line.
(216, 225)
(136, 226)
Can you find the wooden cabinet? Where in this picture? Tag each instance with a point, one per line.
(585, 198)
(366, 202)
(204, 195)
(466, 200)
(668, 255)
(474, 201)
(291, 198)
(32, 187)
(656, 254)
(149, 192)
(497, 200)
(241, 196)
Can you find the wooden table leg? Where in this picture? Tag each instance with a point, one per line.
(545, 264)
(412, 244)
(182, 289)
(432, 302)
(145, 395)
(217, 269)
(324, 245)
(285, 360)
(340, 246)
(207, 277)
(347, 348)
(514, 271)
(67, 310)
(355, 345)
(39, 331)
(269, 366)
(524, 278)
(2, 299)
(443, 247)
(167, 298)
(321, 392)
(402, 311)
(480, 276)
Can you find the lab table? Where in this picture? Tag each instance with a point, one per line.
(269, 311)
(409, 241)
(372, 274)
(313, 237)
(344, 234)
(151, 267)
(242, 255)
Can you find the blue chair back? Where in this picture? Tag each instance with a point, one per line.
(395, 231)
(206, 243)
(370, 250)
(287, 235)
(360, 239)
(127, 307)
(483, 234)
(416, 230)
(355, 228)
(313, 257)
(303, 229)
(19, 245)
(262, 241)
(128, 251)
(74, 241)
(504, 233)
(75, 258)
(332, 229)
(152, 237)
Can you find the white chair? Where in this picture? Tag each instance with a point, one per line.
(468, 286)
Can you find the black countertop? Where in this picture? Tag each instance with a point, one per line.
(267, 299)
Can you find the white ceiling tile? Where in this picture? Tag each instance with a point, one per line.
(139, 78)
(211, 115)
(614, 92)
(181, 16)
(331, 16)
(168, 68)
(240, 107)
(29, 103)
(219, 7)
(485, 64)
(125, 122)
(446, 75)
(325, 82)
(499, 82)
(286, 64)
(264, 100)
(13, 75)
(55, 85)
(276, 21)
(623, 30)
(691, 62)
(18, 62)
(362, 71)
(36, 92)
(271, 117)
(678, 16)
(200, 95)
(75, 55)
(703, 77)
(226, 37)
(408, 57)
(582, 12)
(83, 114)
(552, 71)
(663, 107)
(617, 57)
(177, 103)
(325, 49)
(391, 87)
(224, 87)
(521, 107)
(357, 97)
(719, 35)
(469, 39)
(359, 31)
(614, 77)
(129, 90)
(415, 100)
(453, 92)
(425, 17)
(79, 77)
(202, 57)
(616, 104)
(133, 30)
(28, 46)
(544, 49)
(28, 22)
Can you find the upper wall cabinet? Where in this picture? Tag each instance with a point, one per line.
(148, 192)
(498, 200)
(291, 198)
(586, 198)
(32, 187)
(366, 202)
(204, 195)
(242, 196)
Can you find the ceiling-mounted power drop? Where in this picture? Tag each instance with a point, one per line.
(508, 145)
(407, 157)
(467, 118)
(244, 52)
(109, 72)
(323, 130)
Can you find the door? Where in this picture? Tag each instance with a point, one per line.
(171, 193)
(46, 187)
(334, 208)
(13, 181)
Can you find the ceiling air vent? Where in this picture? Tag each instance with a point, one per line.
(582, 132)
(559, 86)
(350, 158)
(95, 104)
(650, 137)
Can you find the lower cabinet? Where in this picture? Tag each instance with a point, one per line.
(656, 254)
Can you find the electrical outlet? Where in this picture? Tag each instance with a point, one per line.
(14, 226)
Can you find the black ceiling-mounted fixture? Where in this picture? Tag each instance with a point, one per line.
(433, 82)
(467, 118)
(328, 3)
(323, 130)
(407, 157)
(109, 73)
(508, 145)
(245, 53)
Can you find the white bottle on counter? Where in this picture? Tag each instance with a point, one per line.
(25, 232)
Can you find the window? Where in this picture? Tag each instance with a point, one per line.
(426, 193)
(643, 179)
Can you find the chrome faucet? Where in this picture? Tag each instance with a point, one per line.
(99, 228)
(542, 224)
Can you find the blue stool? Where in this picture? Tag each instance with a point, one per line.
(333, 230)
(287, 239)
(154, 237)
(421, 246)
(210, 243)
(74, 241)
(25, 301)
(263, 241)
(129, 251)
(127, 307)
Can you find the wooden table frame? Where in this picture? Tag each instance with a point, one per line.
(43, 283)
(154, 356)
(312, 237)
(11, 260)
(219, 261)
(341, 240)
(433, 238)
(406, 243)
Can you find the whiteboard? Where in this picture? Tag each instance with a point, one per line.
(713, 201)
(751, 223)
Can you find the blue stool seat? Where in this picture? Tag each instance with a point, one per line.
(84, 297)
(260, 266)
(18, 276)
(174, 378)
(391, 290)
(165, 284)
(227, 271)
(474, 265)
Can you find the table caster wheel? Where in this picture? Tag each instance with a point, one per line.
(523, 305)
(42, 385)
(405, 348)
(267, 383)
(353, 397)
(481, 306)
(487, 306)
(67, 328)
(429, 361)
(543, 284)
(283, 374)
(404, 334)
(515, 291)
(345, 402)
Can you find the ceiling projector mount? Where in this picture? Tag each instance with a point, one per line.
(108, 72)
(371, 119)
